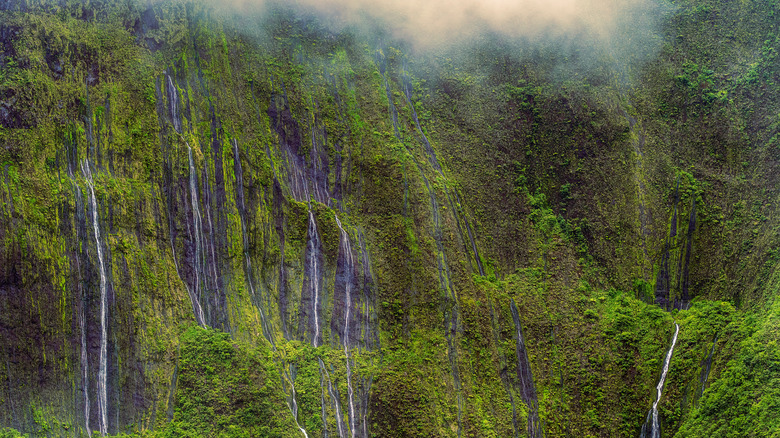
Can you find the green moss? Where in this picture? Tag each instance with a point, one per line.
(567, 184)
(224, 389)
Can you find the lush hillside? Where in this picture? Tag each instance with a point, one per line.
(251, 223)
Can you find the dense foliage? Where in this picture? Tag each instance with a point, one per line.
(307, 230)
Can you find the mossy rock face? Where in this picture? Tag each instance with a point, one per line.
(223, 389)
(607, 205)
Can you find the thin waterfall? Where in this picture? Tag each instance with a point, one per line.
(291, 403)
(194, 299)
(428, 148)
(198, 225)
(477, 257)
(207, 203)
(83, 326)
(306, 174)
(314, 275)
(84, 371)
(173, 101)
(194, 292)
(651, 428)
(346, 247)
(368, 316)
(322, 402)
(299, 189)
(103, 361)
(334, 396)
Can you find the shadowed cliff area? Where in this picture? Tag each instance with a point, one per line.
(251, 219)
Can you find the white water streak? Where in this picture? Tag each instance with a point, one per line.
(84, 369)
(293, 405)
(82, 325)
(211, 241)
(314, 276)
(347, 248)
(102, 372)
(198, 224)
(655, 432)
(332, 392)
(174, 96)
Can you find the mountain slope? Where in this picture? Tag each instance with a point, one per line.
(256, 225)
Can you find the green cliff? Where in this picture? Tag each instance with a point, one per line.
(248, 222)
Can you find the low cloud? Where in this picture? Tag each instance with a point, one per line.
(428, 23)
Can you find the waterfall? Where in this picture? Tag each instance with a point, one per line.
(299, 176)
(477, 257)
(83, 324)
(210, 240)
(173, 97)
(349, 263)
(292, 404)
(102, 372)
(652, 416)
(314, 276)
(334, 396)
(198, 225)
(322, 403)
(84, 370)
(194, 292)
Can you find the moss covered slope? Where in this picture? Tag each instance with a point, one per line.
(278, 229)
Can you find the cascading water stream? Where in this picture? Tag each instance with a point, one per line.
(334, 396)
(349, 267)
(428, 148)
(198, 225)
(103, 361)
(299, 189)
(83, 323)
(174, 104)
(314, 276)
(298, 180)
(652, 417)
(314, 284)
(84, 370)
(292, 403)
(323, 406)
(307, 178)
(207, 200)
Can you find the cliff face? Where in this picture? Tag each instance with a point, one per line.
(258, 226)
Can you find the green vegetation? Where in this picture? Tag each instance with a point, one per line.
(223, 390)
(587, 189)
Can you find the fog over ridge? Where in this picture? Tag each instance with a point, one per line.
(429, 23)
